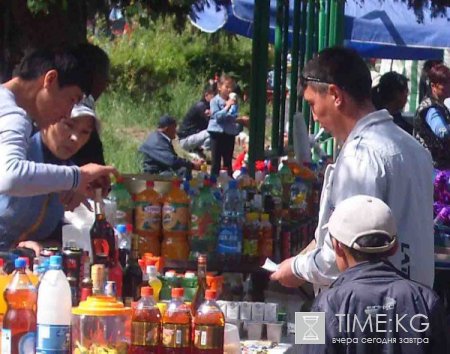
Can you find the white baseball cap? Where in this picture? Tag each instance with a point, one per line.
(86, 107)
(363, 215)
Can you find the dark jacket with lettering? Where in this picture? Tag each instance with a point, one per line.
(404, 315)
(160, 156)
(439, 148)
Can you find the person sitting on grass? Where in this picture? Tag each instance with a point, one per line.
(372, 307)
(159, 154)
(26, 220)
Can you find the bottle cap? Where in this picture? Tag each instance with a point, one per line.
(146, 291)
(210, 294)
(121, 228)
(150, 184)
(20, 263)
(177, 292)
(55, 262)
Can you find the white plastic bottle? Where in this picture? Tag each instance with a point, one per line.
(54, 308)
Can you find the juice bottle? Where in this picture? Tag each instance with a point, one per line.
(19, 322)
(175, 221)
(209, 327)
(145, 325)
(148, 219)
(103, 239)
(176, 325)
(154, 281)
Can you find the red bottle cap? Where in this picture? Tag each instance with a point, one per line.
(177, 292)
(146, 291)
(210, 294)
(150, 184)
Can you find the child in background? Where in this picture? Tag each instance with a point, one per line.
(222, 125)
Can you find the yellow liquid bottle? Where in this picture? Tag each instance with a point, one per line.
(154, 282)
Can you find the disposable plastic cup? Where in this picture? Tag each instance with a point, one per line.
(274, 331)
(254, 330)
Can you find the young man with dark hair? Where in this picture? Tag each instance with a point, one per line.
(193, 133)
(372, 307)
(377, 158)
(46, 86)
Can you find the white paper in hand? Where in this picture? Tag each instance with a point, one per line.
(270, 265)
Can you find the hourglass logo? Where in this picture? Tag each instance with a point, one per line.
(310, 328)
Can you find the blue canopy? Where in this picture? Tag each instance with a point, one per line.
(376, 28)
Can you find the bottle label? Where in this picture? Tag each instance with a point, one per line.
(145, 333)
(148, 217)
(208, 337)
(175, 217)
(53, 339)
(176, 335)
(6, 341)
(229, 240)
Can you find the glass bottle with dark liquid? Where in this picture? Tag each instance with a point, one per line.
(102, 235)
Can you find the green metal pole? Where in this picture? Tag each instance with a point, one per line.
(308, 50)
(294, 70)
(277, 75)
(258, 83)
(283, 77)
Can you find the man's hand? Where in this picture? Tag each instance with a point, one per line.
(285, 276)
(71, 200)
(36, 247)
(94, 176)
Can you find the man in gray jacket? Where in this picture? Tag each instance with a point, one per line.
(372, 307)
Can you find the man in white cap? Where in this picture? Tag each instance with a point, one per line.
(372, 307)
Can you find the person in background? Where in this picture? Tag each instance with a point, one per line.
(431, 123)
(193, 132)
(26, 220)
(404, 316)
(46, 86)
(92, 151)
(222, 125)
(377, 158)
(391, 93)
(159, 154)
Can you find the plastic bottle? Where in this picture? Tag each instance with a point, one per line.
(103, 240)
(148, 219)
(175, 221)
(19, 322)
(176, 325)
(209, 327)
(205, 213)
(145, 325)
(154, 281)
(54, 310)
(199, 296)
(124, 204)
(229, 243)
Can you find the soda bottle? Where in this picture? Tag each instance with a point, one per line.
(19, 323)
(175, 221)
(229, 243)
(103, 240)
(148, 219)
(145, 325)
(132, 275)
(54, 310)
(154, 281)
(124, 204)
(199, 296)
(176, 325)
(205, 212)
(209, 327)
